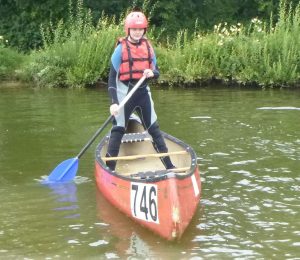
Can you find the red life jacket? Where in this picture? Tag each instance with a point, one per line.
(135, 59)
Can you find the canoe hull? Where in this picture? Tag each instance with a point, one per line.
(164, 201)
(166, 207)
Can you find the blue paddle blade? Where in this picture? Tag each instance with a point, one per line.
(65, 171)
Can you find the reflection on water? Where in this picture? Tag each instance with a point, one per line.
(248, 149)
(134, 241)
(66, 195)
(279, 108)
(129, 242)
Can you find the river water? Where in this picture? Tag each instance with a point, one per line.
(248, 147)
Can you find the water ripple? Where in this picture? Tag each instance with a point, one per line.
(278, 108)
(245, 162)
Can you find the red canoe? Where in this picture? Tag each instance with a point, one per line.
(163, 201)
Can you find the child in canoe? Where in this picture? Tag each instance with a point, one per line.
(132, 59)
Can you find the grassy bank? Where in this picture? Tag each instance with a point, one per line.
(76, 53)
(11, 62)
(261, 53)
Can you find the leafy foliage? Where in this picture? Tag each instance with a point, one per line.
(11, 61)
(256, 53)
(75, 53)
(20, 20)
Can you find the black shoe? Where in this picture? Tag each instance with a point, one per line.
(111, 165)
(171, 167)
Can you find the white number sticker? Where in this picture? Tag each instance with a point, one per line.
(143, 201)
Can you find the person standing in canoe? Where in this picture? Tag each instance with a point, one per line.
(132, 59)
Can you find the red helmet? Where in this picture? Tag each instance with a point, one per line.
(135, 20)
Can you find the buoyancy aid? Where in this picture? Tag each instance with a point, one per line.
(135, 59)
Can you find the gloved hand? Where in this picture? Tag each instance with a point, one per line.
(148, 73)
(114, 109)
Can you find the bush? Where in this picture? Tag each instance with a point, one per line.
(75, 52)
(11, 62)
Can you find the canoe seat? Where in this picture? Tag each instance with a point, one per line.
(150, 175)
(160, 173)
(136, 137)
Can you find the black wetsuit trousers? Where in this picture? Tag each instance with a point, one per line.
(142, 104)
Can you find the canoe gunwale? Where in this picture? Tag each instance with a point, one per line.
(151, 176)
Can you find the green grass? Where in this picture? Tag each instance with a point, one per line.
(75, 52)
(11, 61)
(261, 53)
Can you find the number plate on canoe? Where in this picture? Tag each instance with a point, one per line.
(143, 201)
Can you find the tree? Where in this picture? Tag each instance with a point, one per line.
(20, 20)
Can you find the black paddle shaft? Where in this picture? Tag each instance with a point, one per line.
(123, 102)
(94, 136)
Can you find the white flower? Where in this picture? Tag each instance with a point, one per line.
(223, 30)
(254, 20)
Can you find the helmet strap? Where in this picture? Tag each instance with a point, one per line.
(131, 39)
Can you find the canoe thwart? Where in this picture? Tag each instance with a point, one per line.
(139, 156)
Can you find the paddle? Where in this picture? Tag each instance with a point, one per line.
(66, 170)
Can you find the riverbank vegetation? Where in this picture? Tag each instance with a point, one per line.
(11, 61)
(77, 53)
(262, 53)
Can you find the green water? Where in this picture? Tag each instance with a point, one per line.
(248, 147)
